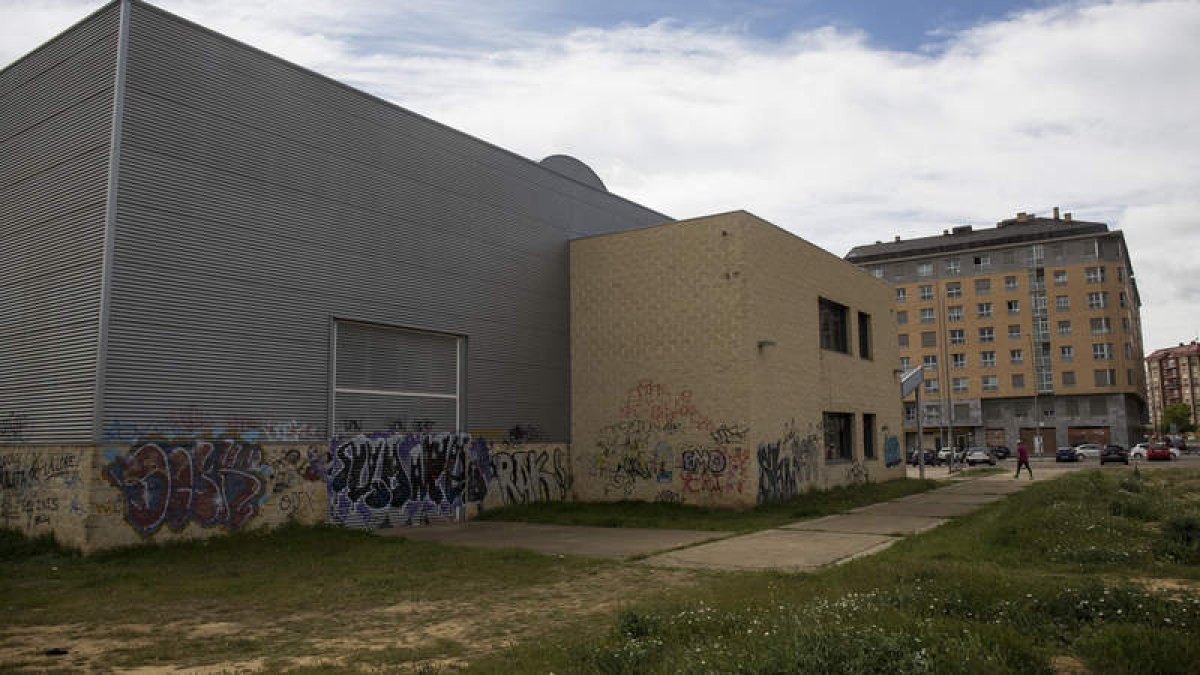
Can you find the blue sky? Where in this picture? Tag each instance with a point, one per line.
(844, 122)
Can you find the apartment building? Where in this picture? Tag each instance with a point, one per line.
(1173, 376)
(1027, 330)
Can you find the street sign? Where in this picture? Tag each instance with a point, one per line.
(910, 380)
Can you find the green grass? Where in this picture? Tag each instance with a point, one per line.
(687, 517)
(1056, 570)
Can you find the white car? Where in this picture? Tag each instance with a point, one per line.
(1088, 450)
(1139, 451)
(980, 455)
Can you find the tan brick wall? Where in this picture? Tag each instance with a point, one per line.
(671, 395)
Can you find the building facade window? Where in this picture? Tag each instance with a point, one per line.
(929, 338)
(839, 436)
(1010, 283)
(901, 294)
(1097, 300)
(1062, 303)
(927, 315)
(987, 334)
(1060, 277)
(835, 326)
(1106, 377)
(930, 362)
(926, 292)
(1100, 325)
(989, 383)
(987, 359)
(1121, 296)
(902, 317)
(925, 269)
(1094, 275)
(983, 261)
(1068, 378)
(877, 272)
(983, 286)
(954, 313)
(1014, 306)
(952, 266)
(903, 340)
(954, 290)
(961, 384)
(865, 338)
(905, 363)
(1014, 331)
(983, 310)
(1102, 351)
(958, 360)
(931, 386)
(1064, 328)
(1016, 356)
(1018, 381)
(958, 336)
(1066, 353)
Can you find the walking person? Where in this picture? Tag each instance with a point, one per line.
(1023, 460)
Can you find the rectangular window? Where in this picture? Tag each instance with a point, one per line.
(903, 340)
(931, 386)
(925, 269)
(905, 363)
(901, 294)
(1094, 275)
(910, 413)
(901, 317)
(1106, 377)
(1129, 355)
(1101, 325)
(929, 338)
(1039, 303)
(1060, 277)
(1010, 283)
(1102, 351)
(1016, 356)
(864, 335)
(839, 436)
(1064, 328)
(954, 290)
(383, 373)
(1018, 381)
(958, 336)
(835, 328)
(1009, 257)
(927, 315)
(1014, 306)
(1014, 331)
(1068, 378)
(1066, 353)
(1122, 298)
(987, 334)
(868, 436)
(1062, 303)
(961, 384)
(990, 383)
(877, 272)
(983, 286)
(954, 313)
(987, 359)
(1124, 324)
(958, 360)
(952, 266)
(930, 362)
(983, 261)
(926, 292)
(1097, 300)
(983, 310)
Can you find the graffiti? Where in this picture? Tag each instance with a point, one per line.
(423, 425)
(725, 434)
(532, 475)
(387, 480)
(214, 483)
(668, 497)
(21, 471)
(669, 410)
(857, 473)
(717, 470)
(664, 462)
(291, 431)
(785, 467)
(12, 426)
(891, 449)
(296, 502)
(626, 456)
(192, 425)
(294, 467)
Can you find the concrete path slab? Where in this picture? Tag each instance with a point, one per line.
(947, 497)
(597, 542)
(791, 550)
(927, 510)
(1005, 486)
(867, 523)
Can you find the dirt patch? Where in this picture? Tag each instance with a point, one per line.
(1168, 585)
(404, 635)
(1068, 665)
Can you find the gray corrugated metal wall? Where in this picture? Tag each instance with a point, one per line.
(56, 107)
(258, 201)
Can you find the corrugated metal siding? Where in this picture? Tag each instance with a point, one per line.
(55, 126)
(258, 201)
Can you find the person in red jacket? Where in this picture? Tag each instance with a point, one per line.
(1023, 460)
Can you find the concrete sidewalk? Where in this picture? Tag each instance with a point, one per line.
(801, 546)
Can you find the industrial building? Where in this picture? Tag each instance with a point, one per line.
(237, 293)
(1029, 330)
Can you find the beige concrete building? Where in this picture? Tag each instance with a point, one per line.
(1173, 377)
(1029, 327)
(722, 360)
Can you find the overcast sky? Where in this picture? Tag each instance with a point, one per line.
(844, 121)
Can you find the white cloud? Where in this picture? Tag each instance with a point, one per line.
(1091, 106)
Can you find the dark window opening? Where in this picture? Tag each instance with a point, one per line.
(839, 436)
(835, 326)
(864, 335)
(868, 436)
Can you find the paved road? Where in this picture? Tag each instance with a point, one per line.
(801, 546)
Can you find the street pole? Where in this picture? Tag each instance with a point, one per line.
(920, 437)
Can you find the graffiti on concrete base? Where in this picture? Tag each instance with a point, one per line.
(857, 473)
(526, 476)
(891, 449)
(172, 483)
(788, 466)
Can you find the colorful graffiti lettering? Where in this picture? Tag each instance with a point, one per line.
(524, 476)
(713, 469)
(787, 466)
(389, 480)
(213, 483)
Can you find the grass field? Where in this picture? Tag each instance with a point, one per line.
(1096, 570)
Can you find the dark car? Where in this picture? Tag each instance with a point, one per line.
(1114, 453)
(1001, 451)
(931, 458)
(1158, 452)
(1066, 454)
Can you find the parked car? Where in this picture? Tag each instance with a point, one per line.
(931, 458)
(1114, 453)
(1066, 454)
(1141, 451)
(1088, 450)
(980, 455)
(959, 454)
(1157, 452)
(1001, 451)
